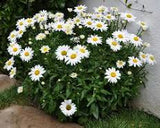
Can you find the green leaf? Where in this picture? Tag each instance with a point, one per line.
(95, 110)
(91, 101)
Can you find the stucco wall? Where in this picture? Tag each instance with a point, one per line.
(149, 98)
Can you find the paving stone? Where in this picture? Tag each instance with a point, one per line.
(30, 117)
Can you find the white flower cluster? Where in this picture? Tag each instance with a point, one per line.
(72, 56)
(99, 22)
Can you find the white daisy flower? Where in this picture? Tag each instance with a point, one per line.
(114, 45)
(20, 89)
(45, 49)
(143, 57)
(14, 49)
(99, 25)
(68, 108)
(20, 33)
(29, 22)
(120, 64)
(135, 40)
(21, 24)
(114, 9)
(73, 75)
(12, 72)
(9, 64)
(68, 28)
(151, 59)
(61, 52)
(12, 36)
(73, 57)
(82, 50)
(26, 54)
(112, 75)
(134, 61)
(36, 73)
(96, 16)
(59, 16)
(128, 17)
(77, 20)
(42, 18)
(101, 9)
(94, 39)
(88, 23)
(143, 25)
(80, 9)
(146, 44)
(41, 36)
(58, 26)
(121, 35)
(109, 17)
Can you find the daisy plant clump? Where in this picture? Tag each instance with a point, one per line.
(82, 66)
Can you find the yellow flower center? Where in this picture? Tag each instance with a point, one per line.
(129, 16)
(64, 53)
(95, 39)
(45, 49)
(120, 63)
(20, 31)
(20, 23)
(29, 20)
(77, 20)
(68, 107)
(142, 23)
(98, 16)
(12, 72)
(99, 25)
(152, 58)
(15, 49)
(73, 56)
(135, 60)
(9, 63)
(79, 8)
(59, 26)
(109, 16)
(143, 56)
(113, 74)
(136, 38)
(82, 50)
(42, 18)
(26, 53)
(37, 72)
(114, 43)
(12, 36)
(89, 23)
(120, 36)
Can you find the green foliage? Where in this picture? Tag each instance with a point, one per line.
(12, 10)
(126, 119)
(93, 95)
(10, 96)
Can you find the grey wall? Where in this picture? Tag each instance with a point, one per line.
(149, 98)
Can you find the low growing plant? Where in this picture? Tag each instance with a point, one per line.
(80, 67)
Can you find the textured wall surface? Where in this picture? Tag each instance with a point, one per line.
(149, 98)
